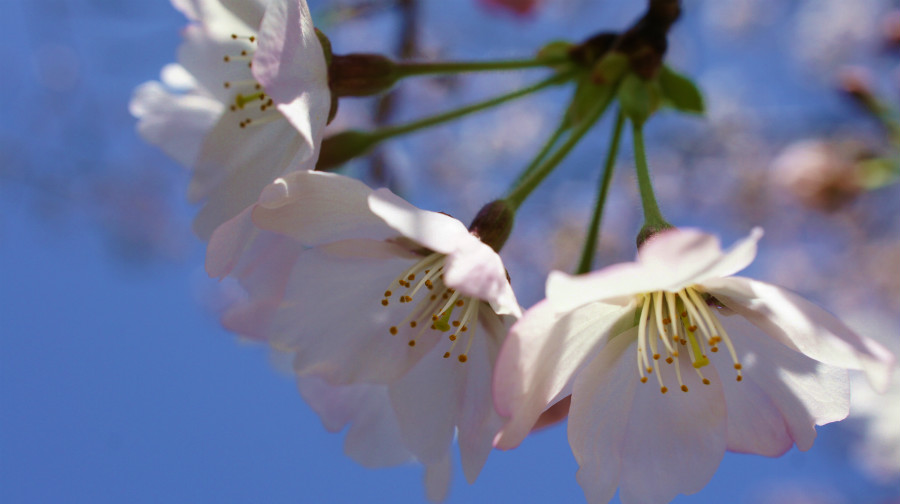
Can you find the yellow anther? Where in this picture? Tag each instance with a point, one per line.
(462, 358)
(684, 388)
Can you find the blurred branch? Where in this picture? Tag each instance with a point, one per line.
(407, 48)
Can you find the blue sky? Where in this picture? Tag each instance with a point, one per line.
(117, 383)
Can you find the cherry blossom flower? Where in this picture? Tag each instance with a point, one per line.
(373, 436)
(364, 288)
(670, 361)
(247, 102)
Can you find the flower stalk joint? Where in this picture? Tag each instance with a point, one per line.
(493, 223)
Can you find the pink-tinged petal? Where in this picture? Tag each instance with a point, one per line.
(333, 319)
(669, 261)
(261, 273)
(234, 166)
(290, 64)
(437, 479)
(474, 269)
(598, 416)
(755, 424)
(373, 438)
(176, 123)
(683, 450)
(427, 401)
(434, 231)
(228, 243)
(653, 445)
(735, 259)
(616, 284)
(540, 358)
(478, 421)
(316, 208)
(804, 392)
(803, 326)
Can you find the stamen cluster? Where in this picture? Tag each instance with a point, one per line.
(435, 310)
(672, 323)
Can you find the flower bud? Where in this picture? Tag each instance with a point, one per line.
(493, 224)
(361, 74)
(649, 230)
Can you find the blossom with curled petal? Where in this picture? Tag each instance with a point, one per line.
(364, 288)
(670, 361)
(247, 102)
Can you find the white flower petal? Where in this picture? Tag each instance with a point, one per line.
(228, 243)
(221, 15)
(653, 445)
(474, 269)
(803, 326)
(478, 421)
(427, 401)
(176, 123)
(437, 479)
(598, 416)
(203, 51)
(261, 273)
(617, 284)
(373, 438)
(539, 358)
(669, 261)
(290, 64)
(234, 166)
(333, 319)
(735, 259)
(682, 451)
(805, 392)
(316, 208)
(434, 231)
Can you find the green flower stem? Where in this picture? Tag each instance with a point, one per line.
(521, 190)
(652, 216)
(392, 131)
(410, 68)
(593, 231)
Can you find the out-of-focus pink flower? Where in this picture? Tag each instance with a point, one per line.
(820, 174)
(247, 102)
(740, 365)
(364, 288)
(518, 7)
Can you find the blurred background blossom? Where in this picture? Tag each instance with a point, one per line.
(117, 383)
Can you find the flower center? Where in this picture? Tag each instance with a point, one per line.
(436, 304)
(250, 99)
(673, 324)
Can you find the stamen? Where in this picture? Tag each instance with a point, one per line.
(660, 322)
(642, 335)
(251, 38)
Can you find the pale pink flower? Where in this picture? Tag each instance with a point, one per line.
(247, 102)
(373, 437)
(670, 361)
(364, 288)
